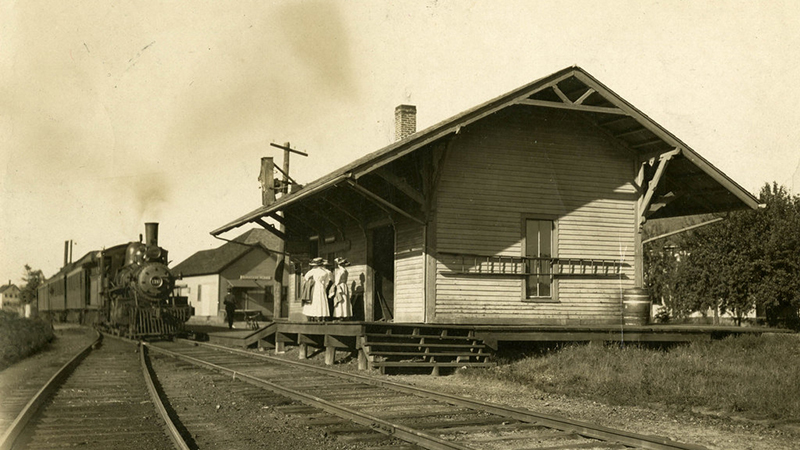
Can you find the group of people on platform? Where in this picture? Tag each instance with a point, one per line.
(326, 294)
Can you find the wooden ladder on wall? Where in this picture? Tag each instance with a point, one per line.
(413, 349)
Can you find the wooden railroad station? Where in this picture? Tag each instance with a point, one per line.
(514, 220)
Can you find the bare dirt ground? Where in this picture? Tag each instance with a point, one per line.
(219, 412)
(715, 431)
(271, 428)
(234, 417)
(711, 429)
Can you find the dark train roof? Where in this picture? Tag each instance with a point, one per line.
(698, 186)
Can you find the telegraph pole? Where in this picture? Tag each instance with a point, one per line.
(281, 260)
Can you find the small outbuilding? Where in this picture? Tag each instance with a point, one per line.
(526, 209)
(245, 266)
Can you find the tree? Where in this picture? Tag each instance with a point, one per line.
(778, 261)
(749, 261)
(665, 267)
(32, 278)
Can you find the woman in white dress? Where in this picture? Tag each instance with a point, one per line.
(317, 309)
(342, 306)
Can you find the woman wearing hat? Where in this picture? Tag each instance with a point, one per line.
(317, 309)
(342, 306)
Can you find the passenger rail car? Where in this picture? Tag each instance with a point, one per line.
(127, 289)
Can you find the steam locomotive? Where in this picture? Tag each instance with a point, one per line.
(126, 289)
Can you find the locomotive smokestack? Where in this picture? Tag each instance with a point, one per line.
(151, 233)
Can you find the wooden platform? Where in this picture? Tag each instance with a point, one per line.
(429, 347)
(242, 338)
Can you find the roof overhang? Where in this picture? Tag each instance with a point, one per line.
(248, 283)
(688, 185)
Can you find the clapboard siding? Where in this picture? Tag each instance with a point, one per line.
(525, 162)
(409, 272)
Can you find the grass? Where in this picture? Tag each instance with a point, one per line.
(754, 376)
(21, 337)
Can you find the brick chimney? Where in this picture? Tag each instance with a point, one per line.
(405, 121)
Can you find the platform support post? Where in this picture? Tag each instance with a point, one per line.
(280, 347)
(362, 360)
(301, 354)
(435, 371)
(330, 355)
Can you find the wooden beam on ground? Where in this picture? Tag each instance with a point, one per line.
(382, 202)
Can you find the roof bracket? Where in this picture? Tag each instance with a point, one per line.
(400, 184)
(383, 203)
(652, 184)
(271, 229)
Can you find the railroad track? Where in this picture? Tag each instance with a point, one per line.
(420, 417)
(103, 398)
(21, 383)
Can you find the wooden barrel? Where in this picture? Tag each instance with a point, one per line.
(635, 306)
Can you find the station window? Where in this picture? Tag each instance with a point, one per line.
(539, 239)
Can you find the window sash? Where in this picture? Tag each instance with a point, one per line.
(539, 244)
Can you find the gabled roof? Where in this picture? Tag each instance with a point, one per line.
(7, 287)
(216, 260)
(259, 236)
(703, 188)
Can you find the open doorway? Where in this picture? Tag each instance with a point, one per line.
(383, 271)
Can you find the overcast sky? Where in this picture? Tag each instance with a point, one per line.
(115, 113)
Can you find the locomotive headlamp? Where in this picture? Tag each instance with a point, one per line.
(152, 253)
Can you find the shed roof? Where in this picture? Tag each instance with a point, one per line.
(690, 185)
(206, 262)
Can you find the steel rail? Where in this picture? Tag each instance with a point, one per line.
(382, 426)
(32, 407)
(174, 434)
(583, 428)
